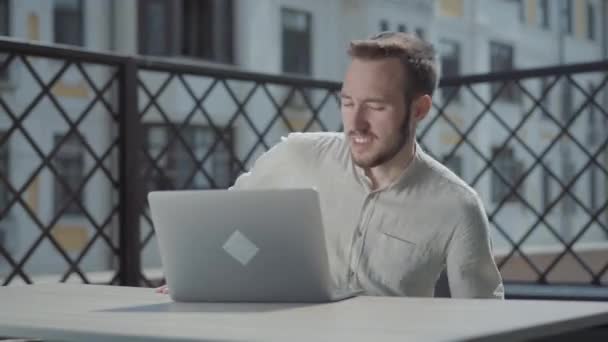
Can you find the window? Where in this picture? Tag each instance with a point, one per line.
(193, 28)
(384, 25)
(155, 31)
(546, 186)
(3, 238)
(543, 13)
(591, 120)
(521, 10)
(454, 163)
(545, 82)
(4, 18)
(69, 164)
(296, 39)
(567, 16)
(569, 203)
(567, 110)
(4, 31)
(297, 48)
(501, 59)
(400, 28)
(590, 21)
(207, 30)
(510, 169)
(223, 168)
(420, 33)
(68, 22)
(177, 164)
(450, 66)
(4, 170)
(593, 188)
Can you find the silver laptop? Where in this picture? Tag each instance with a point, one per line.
(243, 246)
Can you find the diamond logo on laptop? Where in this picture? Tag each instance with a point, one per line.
(240, 248)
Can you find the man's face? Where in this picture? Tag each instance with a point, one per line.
(376, 120)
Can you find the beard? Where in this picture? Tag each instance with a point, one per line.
(389, 150)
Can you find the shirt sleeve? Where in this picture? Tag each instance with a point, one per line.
(472, 271)
(276, 168)
(264, 170)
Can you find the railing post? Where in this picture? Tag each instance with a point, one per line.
(131, 196)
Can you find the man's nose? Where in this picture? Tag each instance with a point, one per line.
(360, 118)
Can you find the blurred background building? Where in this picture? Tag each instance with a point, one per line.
(301, 39)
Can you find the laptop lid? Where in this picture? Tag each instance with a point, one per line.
(242, 245)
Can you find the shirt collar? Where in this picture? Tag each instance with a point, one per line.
(403, 178)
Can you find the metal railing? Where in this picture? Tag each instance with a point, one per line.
(173, 125)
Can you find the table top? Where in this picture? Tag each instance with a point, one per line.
(93, 312)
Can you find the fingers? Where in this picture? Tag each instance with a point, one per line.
(162, 289)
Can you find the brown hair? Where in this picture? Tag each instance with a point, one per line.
(416, 55)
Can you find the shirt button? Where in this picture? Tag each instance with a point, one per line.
(359, 232)
(351, 273)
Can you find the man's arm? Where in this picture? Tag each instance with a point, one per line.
(278, 167)
(265, 169)
(472, 271)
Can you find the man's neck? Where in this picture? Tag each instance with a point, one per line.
(384, 175)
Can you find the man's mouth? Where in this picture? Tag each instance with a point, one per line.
(361, 138)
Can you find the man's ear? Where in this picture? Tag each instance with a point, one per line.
(422, 106)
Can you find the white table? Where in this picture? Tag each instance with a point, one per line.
(89, 312)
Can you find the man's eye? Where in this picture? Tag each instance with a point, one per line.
(377, 107)
(347, 104)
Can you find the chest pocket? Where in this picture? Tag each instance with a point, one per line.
(399, 254)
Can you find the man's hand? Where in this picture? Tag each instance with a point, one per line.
(163, 289)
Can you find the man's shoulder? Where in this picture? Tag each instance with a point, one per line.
(314, 138)
(452, 199)
(314, 142)
(291, 161)
(452, 188)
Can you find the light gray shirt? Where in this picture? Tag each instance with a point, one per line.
(394, 241)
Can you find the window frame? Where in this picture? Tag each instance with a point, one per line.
(455, 164)
(6, 30)
(171, 168)
(545, 82)
(546, 188)
(420, 33)
(219, 25)
(169, 8)
(543, 11)
(5, 73)
(5, 162)
(176, 35)
(80, 12)
(591, 18)
(593, 182)
(297, 99)
(59, 189)
(446, 91)
(504, 159)
(309, 41)
(568, 19)
(509, 93)
(383, 25)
